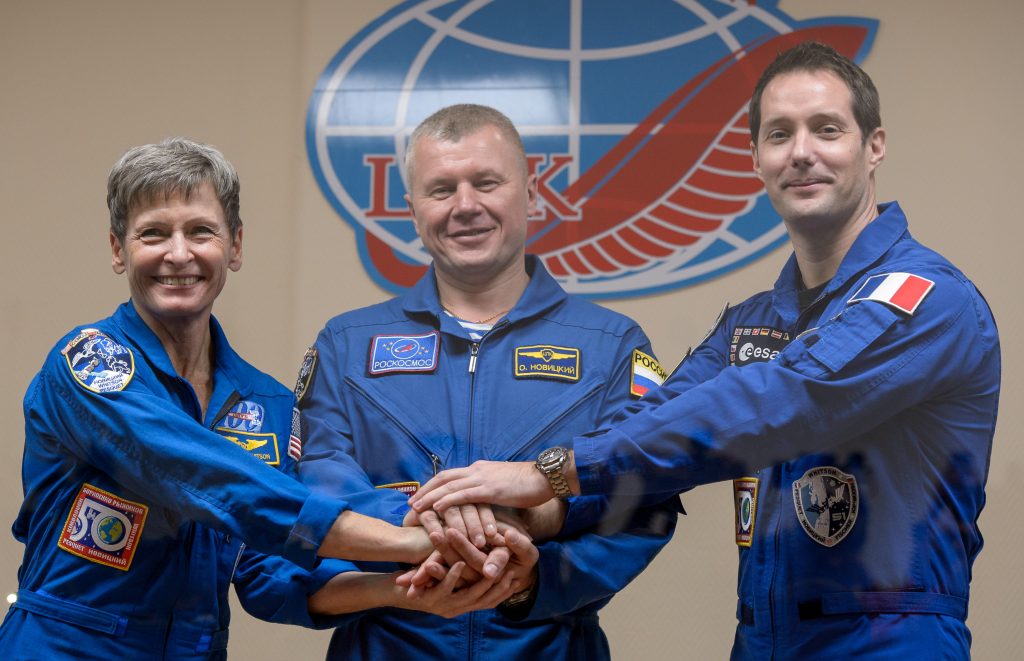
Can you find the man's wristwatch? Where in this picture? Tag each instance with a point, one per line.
(552, 462)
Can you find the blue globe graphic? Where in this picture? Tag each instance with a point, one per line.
(111, 530)
(575, 78)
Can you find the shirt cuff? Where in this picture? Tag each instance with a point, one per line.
(315, 519)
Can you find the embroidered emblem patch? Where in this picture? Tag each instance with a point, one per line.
(103, 528)
(260, 446)
(745, 498)
(295, 438)
(404, 353)
(903, 291)
(647, 374)
(244, 416)
(546, 361)
(305, 373)
(756, 344)
(826, 502)
(408, 488)
(98, 363)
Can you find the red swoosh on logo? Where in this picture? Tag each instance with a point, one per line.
(676, 176)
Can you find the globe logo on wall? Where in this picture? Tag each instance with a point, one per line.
(633, 117)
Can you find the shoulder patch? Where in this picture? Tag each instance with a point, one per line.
(404, 353)
(547, 362)
(903, 291)
(714, 326)
(305, 373)
(646, 374)
(103, 528)
(98, 363)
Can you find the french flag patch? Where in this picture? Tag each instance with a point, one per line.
(903, 291)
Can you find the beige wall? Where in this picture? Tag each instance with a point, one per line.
(82, 81)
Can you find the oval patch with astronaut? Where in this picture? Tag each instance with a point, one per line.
(826, 502)
(244, 416)
(98, 363)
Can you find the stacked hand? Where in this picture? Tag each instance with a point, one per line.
(481, 558)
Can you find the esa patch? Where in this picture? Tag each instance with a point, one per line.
(295, 437)
(260, 446)
(244, 416)
(826, 502)
(98, 363)
(103, 528)
(903, 291)
(404, 353)
(408, 488)
(756, 344)
(305, 373)
(745, 497)
(646, 374)
(548, 362)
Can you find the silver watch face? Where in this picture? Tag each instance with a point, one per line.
(552, 459)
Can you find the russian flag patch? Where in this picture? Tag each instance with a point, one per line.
(646, 374)
(903, 291)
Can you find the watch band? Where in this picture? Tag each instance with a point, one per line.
(551, 463)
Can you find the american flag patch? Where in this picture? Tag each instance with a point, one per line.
(295, 438)
(903, 291)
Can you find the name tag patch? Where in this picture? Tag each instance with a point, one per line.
(260, 446)
(745, 498)
(404, 353)
(903, 291)
(756, 344)
(98, 363)
(826, 502)
(103, 528)
(647, 374)
(408, 488)
(547, 361)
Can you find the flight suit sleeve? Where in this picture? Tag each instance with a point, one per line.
(276, 590)
(856, 370)
(165, 455)
(606, 542)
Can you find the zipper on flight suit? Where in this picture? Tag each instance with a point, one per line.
(801, 322)
(435, 461)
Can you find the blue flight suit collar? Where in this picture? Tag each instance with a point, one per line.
(228, 383)
(542, 293)
(873, 242)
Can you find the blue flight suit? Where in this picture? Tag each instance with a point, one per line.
(398, 392)
(136, 503)
(858, 433)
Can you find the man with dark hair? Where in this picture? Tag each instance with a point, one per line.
(485, 358)
(853, 405)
